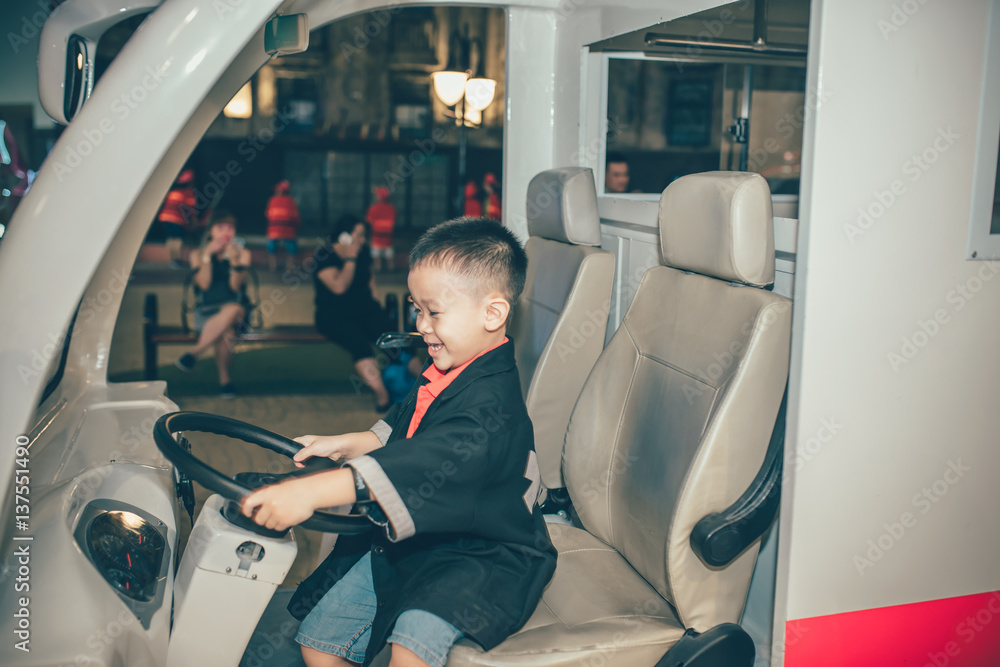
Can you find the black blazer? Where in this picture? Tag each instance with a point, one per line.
(463, 538)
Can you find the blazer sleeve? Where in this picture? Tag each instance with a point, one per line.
(382, 428)
(434, 481)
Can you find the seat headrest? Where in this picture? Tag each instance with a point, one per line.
(562, 206)
(719, 223)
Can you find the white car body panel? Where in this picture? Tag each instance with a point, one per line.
(76, 235)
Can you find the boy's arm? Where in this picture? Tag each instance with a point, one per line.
(346, 446)
(382, 428)
(435, 482)
(291, 502)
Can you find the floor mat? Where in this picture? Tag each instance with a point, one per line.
(273, 641)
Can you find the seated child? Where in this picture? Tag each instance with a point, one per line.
(450, 472)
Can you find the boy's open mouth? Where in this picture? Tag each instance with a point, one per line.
(434, 348)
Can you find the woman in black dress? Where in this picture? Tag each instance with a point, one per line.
(347, 307)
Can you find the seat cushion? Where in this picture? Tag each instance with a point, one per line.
(596, 610)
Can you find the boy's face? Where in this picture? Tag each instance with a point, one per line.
(456, 323)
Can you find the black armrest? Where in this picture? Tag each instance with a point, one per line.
(719, 538)
(725, 645)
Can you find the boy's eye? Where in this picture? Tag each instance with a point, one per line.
(432, 313)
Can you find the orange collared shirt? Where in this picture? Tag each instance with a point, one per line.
(437, 381)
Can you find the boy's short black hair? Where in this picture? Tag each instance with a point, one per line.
(478, 249)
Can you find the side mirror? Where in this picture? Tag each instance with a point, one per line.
(286, 34)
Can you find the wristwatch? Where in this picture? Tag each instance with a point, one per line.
(360, 488)
(350, 259)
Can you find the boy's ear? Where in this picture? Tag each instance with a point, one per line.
(497, 310)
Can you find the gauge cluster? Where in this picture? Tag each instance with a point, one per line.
(129, 548)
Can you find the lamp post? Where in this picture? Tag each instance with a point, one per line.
(468, 96)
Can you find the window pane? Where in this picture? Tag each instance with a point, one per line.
(664, 119)
(667, 119)
(776, 119)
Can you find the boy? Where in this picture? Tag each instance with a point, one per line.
(451, 472)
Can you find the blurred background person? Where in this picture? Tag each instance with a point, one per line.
(220, 266)
(616, 174)
(473, 207)
(178, 211)
(381, 216)
(492, 201)
(282, 226)
(347, 308)
(15, 178)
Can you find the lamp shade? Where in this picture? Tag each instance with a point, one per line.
(473, 117)
(479, 93)
(449, 86)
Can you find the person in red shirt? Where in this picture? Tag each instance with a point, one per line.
(449, 476)
(473, 207)
(381, 216)
(492, 187)
(179, 209)
(282, 226)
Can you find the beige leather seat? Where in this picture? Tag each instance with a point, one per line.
(560, 322)
(672, 425)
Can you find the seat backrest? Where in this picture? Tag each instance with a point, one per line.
(560, 321)
(674, 421)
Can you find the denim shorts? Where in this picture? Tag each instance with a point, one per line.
(341, 623)
(203, 314)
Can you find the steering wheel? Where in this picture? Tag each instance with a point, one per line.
(234, 489)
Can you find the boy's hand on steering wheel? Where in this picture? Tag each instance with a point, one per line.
(278, 506)
(331, 446)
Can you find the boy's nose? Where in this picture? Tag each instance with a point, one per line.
(424, 324)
